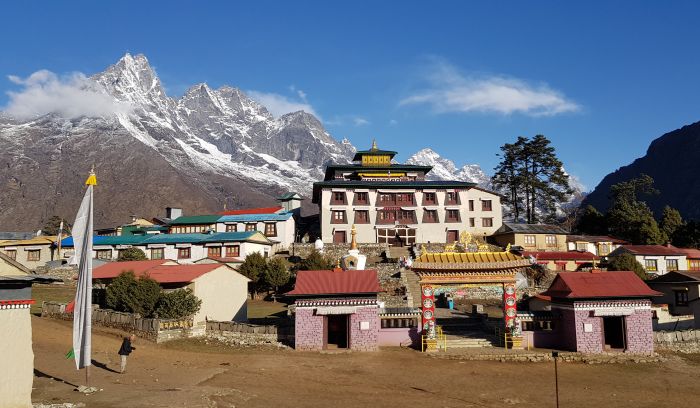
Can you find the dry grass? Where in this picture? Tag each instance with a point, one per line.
(260, 309)
(51, 293)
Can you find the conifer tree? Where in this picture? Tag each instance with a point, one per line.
(671, 221)
(629, 217)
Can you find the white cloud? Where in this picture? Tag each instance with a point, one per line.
(279, 105)
(393, 122)
(70, 96)
(358, 121)
(451, 91)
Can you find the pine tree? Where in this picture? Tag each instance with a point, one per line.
(253, 268)
(629, 217)
(532, 177)
(276, 273)
(671, 221)
(591, 221)
(627, 262)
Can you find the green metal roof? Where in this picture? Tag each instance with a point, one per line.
(195, 220)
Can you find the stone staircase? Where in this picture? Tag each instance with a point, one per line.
(463, 331)
(397, 252)
(410, 280)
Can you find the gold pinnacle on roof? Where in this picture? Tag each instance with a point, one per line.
(353, 243)
(374, 145)
(92, 178)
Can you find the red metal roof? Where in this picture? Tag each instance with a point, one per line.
(690, 253)
(562, 255)
(652, 250)
(336, 282)
(262, 210)
(597, 284)
(157, 271)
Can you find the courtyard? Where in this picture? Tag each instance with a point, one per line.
(199, 373)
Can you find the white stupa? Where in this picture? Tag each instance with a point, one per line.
(354, 260)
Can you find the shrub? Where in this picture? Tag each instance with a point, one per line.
(177, 304)
(276, 273)
(131, 254)
(126, 293)
(626, 262)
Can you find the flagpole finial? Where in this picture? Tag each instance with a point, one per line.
(92, 178)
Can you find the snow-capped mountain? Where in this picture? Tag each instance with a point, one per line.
(445, 169)
(208, 148)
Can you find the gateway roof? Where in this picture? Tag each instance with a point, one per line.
(599, 285)
(469, 261)
(336, 282)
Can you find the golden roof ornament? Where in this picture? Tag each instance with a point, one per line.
(353, 243)
(374, 145)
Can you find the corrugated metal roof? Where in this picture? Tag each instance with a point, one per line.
(172, 238)
(562, 255)
(336, 282)
(264, 210)
(521, 228)
(160, 271)
(195, 219)
(594, 238)
(40, 240)
(11, 235)
(677, 276)
(597, 284)
(256, 217)
(651, 250)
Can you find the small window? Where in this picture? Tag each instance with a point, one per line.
(451, 197)
(338, 217)
(270, 229)
(694, 264)
(582, 246)
(486, 205)
(362, 217)
(472, 222)
(561, 266)
(157, 253)
(529, 240)
(650, 265)
(672, 264)
(681, 297)
(429, 199)
(550, 240)
(338, 197)
(12, 254)
(233, 251)
(487, 222)
(214, 252)
(34, 255)
(361, 198)
(104, 253)
(452, 216)
(183, 253)
(231, 227)
(603, 249)
(251, 227)
(430, 216)
(471, 205)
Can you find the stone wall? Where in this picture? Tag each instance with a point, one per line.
(591, 342)
(68, 274)
(157, 330)
(684, 341)
(335, 251)
(308, 330)
(640, 334)
(245, 334)
(368, 339)
(394, 288)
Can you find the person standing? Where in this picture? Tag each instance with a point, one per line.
(125, 350)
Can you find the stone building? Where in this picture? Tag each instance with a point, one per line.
(31, 253)
(394, 204)
(531, 237)
(336, 309)
(595, 312)
(656, 259)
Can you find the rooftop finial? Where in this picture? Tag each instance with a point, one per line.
(374, 144)
(353, 243)
(92, 179)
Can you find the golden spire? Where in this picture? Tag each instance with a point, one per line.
(353, 243)
(92, 178)
(374, 145)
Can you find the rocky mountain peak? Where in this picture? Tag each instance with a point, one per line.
(445, 169)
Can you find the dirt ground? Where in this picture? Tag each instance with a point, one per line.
(196, 374)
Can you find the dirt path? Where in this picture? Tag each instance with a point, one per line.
(195, 374)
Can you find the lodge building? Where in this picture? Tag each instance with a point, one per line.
(395, 204)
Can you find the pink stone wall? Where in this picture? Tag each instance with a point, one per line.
(640, 334)
(308, 330)
(588, 342)
(365, 340)
(402, 336)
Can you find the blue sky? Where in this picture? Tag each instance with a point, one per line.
(600, 80)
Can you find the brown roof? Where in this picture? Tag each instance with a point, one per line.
(690, 253)
(336, 282)
(562, 255)
(160, 271)
(652, 250)
(594, 238)
(677, 276)
(597, 284)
